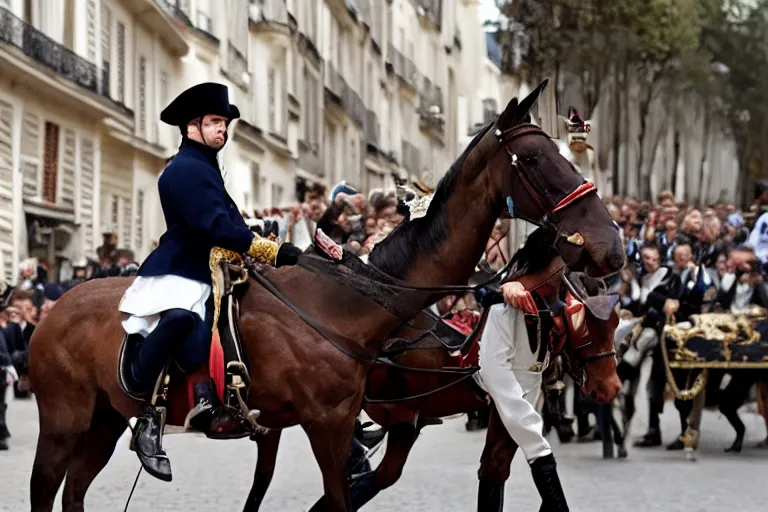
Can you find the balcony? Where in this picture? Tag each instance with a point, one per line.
(410, 158)
(372, 128)
(52, 57)
(403, 67)
(157, 15)
(430, 9)
(334, 84)
(182, 11)
(237, 67)
(269, 16)
(310, 159)
(354, 107)
(340, 93)
(431, 117)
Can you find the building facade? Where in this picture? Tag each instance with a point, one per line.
(367, 91)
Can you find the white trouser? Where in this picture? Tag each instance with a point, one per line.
(514, 390)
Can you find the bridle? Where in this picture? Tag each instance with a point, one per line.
(544, 204)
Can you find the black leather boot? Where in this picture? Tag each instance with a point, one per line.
(544, 470)
(213, 418)
(147, 442)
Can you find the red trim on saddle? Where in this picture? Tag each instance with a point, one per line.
(585, 188)
(465, 322)
(216, 364)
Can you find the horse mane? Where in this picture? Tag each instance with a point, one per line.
(395, 254)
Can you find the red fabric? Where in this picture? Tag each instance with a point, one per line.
(216, 364)
(464, 322)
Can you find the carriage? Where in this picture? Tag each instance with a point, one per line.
(703, 351)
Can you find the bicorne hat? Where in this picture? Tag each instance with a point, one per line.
(203, 99)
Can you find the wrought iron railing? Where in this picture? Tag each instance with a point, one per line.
(56, 57)
(372, 128)
(432, 9)
(403, 66)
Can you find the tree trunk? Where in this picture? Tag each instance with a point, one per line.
(675, 160)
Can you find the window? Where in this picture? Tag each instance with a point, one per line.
(255, 187)
(114, 212)
(142, 128)
(120, 62)
(106, 47)
(163, 88)
(277, 194)
(272, 112)
(50, 162)
(204, 21)
(140, 219)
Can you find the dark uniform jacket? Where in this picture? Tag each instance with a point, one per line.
(199, 215)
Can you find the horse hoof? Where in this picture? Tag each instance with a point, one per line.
(622, 452)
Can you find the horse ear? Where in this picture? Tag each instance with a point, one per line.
(516, 113)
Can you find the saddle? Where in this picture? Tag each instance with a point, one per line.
(227, 360)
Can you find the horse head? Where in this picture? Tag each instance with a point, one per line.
(527, 176)
(592, 316)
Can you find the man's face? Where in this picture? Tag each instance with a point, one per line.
(650, 259)
(671, 228)
(682, 256)
(212, 131)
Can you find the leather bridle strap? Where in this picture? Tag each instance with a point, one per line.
(581, 191)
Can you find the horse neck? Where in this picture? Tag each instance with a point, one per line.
(471, 213)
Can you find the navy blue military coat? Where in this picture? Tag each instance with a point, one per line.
(199, 215)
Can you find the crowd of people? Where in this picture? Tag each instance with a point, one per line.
(681, 259)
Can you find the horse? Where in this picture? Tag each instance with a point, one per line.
(300, 376)
(419, 395)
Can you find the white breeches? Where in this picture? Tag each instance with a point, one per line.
(514, 390)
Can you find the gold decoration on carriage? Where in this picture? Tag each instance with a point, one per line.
(718, 340)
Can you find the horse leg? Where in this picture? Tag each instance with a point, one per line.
(62, 423)
(265, 468)
(94, 449)
(495, 465)
(330, 443)
(733, 397)
(401, 438)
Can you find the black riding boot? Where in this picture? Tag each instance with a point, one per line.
(544, 470)
(147, 441)
(215, 420)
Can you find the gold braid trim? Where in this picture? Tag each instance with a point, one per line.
(263, 250)
(217, 277)
(701, 378)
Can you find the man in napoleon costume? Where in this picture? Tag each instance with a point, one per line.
(165, 308)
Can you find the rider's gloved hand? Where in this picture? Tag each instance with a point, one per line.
(516, 296)
(263, 250)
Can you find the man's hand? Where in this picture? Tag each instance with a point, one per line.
(671, 306)
(518, 297)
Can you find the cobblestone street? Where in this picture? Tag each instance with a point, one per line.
(440, 476)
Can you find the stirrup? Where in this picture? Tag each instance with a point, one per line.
(239, 380)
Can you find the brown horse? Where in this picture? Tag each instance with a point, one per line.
(404, 419)
(299, 376)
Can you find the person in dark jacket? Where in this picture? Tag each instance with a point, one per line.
(168, 317)
(7, 377)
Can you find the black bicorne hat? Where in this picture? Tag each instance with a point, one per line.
(203, 99)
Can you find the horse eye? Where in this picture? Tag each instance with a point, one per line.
(532, 159)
